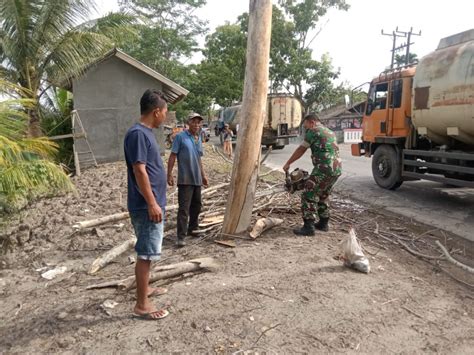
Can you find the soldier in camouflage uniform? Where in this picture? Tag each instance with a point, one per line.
(326, 171)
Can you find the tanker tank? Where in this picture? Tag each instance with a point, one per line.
(443, 100)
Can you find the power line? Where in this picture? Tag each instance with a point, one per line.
(401, 34)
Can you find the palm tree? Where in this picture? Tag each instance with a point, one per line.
(26, 167)
(400, 60)
(41, 44)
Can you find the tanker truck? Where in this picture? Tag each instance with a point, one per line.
(419, 121)
(282, 121)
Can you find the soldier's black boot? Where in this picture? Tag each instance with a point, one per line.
(323, 224)
(307, 229)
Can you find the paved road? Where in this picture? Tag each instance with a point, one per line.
(424, 201)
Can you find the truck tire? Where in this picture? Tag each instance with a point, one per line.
(277, 146)
(387, 167)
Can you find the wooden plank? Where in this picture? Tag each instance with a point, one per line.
(70, 135)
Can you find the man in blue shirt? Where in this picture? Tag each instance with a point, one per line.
(187, 148)
(146, 196)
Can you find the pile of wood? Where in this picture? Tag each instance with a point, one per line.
(268, 198)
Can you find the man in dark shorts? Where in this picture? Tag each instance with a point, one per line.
(146, 196)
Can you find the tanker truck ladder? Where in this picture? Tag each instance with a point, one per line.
(282, 110)
(451, 168)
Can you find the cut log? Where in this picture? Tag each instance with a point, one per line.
(264, 224)
(102, 220)
(124, 215)
(110, 255)
(163, 272)
(173, 270)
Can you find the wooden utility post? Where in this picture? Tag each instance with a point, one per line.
(246, 161)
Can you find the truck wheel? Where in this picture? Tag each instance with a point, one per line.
(277, 147)
(387, 168)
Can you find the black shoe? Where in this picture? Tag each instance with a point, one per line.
(307, 229)
(192, 233)
(180, 243)
(323, 224)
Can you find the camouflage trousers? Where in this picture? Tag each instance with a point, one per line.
(315, 197)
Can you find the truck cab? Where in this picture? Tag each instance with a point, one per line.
(387, 125)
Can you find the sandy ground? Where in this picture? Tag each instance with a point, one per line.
(438, 205)
(277, 294)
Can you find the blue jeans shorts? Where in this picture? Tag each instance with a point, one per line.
(149, 236)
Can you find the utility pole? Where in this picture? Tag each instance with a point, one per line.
(394, 36)
(401, 34)
(247, 157)
(409, 43)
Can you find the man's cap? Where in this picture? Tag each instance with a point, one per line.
(311, 116)
(226, 125)
(194, 115)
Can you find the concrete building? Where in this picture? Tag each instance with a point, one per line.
(106, 98)
(346, 122)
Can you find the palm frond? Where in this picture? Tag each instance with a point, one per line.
(73, 53)
(26, 168)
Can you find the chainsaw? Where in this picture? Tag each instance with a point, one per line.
(296, 180)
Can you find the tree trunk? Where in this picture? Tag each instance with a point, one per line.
(34, 124)
(246, 163)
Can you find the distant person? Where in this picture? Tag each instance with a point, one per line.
(187, 148)
(146, 201)
(227, 140)
(327, 169)
(203, 134)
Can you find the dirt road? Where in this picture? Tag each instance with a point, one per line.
(424, 201)
(276, 294)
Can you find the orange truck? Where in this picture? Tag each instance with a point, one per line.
(419, 121)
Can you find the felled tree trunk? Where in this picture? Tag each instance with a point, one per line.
(173, 270)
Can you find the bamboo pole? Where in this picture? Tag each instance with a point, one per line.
(247, 156)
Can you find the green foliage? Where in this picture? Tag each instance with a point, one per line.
(400, 59)
(26, 167)
(221, 75)
(292, 67)
(56, 120)
(42, 44)
(167, 32)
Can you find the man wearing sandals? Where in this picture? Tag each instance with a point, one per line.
(146, 197)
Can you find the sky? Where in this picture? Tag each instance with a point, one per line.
(353, 38)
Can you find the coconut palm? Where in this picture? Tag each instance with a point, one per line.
(42, 44)
(26, 167)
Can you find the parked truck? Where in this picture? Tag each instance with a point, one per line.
(419, 121)
(283, 118)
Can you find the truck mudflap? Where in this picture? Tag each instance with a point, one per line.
(357, 150)
(453, 168)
